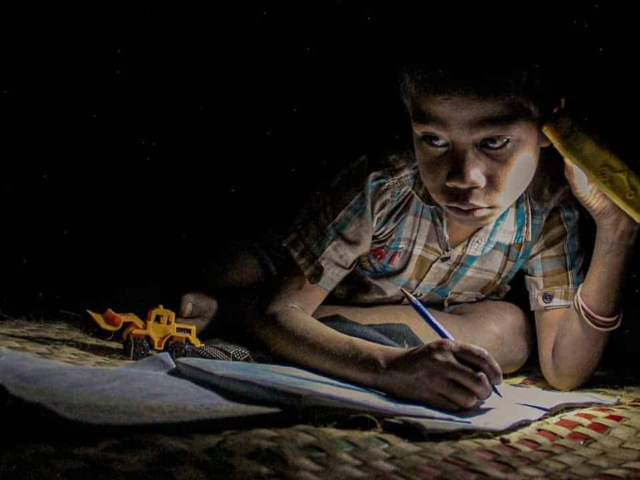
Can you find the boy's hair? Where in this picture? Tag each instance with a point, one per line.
(524, 84)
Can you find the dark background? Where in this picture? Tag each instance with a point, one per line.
(138, 141)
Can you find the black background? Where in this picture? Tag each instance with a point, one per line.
(136, 141)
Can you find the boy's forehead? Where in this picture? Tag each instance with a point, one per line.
(445, 111)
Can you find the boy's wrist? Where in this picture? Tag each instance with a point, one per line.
(383, 358)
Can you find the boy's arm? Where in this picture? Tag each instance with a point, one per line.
(568, 347)
(499, 327)
(444, 374)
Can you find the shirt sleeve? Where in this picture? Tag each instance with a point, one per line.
(337, 225)
(554, 269)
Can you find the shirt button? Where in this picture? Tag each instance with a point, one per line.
(547, 297)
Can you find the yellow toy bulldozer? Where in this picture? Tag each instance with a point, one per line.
(159, 331)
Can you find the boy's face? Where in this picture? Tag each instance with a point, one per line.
(475, 156)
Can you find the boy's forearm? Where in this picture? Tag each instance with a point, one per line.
(293, 334)
(577, 347)
(499, 327)
(444, 374)
(606, 275)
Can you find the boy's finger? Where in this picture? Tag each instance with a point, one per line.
(479, 360)
(441, 401)
(186, 307)
(475, 384)
(197, 304)
(461, 395)
(577, 177)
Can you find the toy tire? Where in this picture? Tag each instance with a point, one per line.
(136, 348)
(179, 349)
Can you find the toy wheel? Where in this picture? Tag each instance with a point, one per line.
(179, 349)
(136, 348)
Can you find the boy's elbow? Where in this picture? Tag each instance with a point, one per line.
(278, 309)
(563, 381)
(563, 373)
(565, 384)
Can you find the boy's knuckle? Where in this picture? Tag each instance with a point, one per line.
(442, 357)
(480, 378)
(444, 345)
(469, 400)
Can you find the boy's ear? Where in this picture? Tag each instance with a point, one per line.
(543, 140)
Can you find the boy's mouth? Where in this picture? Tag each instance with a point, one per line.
(468, 210)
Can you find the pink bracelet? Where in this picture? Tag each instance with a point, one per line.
(607, 326)
(590, 312)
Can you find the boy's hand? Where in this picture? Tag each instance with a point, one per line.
(197, 308)
(605, 213)
(444, 374)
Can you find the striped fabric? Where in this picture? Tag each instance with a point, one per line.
(372, 233)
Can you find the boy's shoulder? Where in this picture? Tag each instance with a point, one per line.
(373, 179)
(396, 164)
(392, 165)
(380, 173)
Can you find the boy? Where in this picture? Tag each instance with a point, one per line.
(452, 222)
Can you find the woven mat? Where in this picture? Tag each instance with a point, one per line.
(592, 443)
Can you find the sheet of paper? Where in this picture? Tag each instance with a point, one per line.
(158, 391)
(142, 393)
(295, 387)
(283, 385)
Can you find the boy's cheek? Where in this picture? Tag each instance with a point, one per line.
(432, 174)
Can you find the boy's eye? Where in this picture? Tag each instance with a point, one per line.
(494, 143)
(433, 141)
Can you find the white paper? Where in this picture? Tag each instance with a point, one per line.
(157, 391)
(283, 385)
(141, 393)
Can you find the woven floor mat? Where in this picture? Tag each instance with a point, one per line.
(70, 342)
(588, 443)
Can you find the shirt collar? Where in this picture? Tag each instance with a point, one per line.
(513, 226)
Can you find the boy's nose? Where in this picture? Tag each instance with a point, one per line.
(465, 172)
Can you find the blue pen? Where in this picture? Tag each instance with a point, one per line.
(433, 323)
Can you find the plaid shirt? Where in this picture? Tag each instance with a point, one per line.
(374, 233)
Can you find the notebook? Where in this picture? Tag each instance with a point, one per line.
(159, 390)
